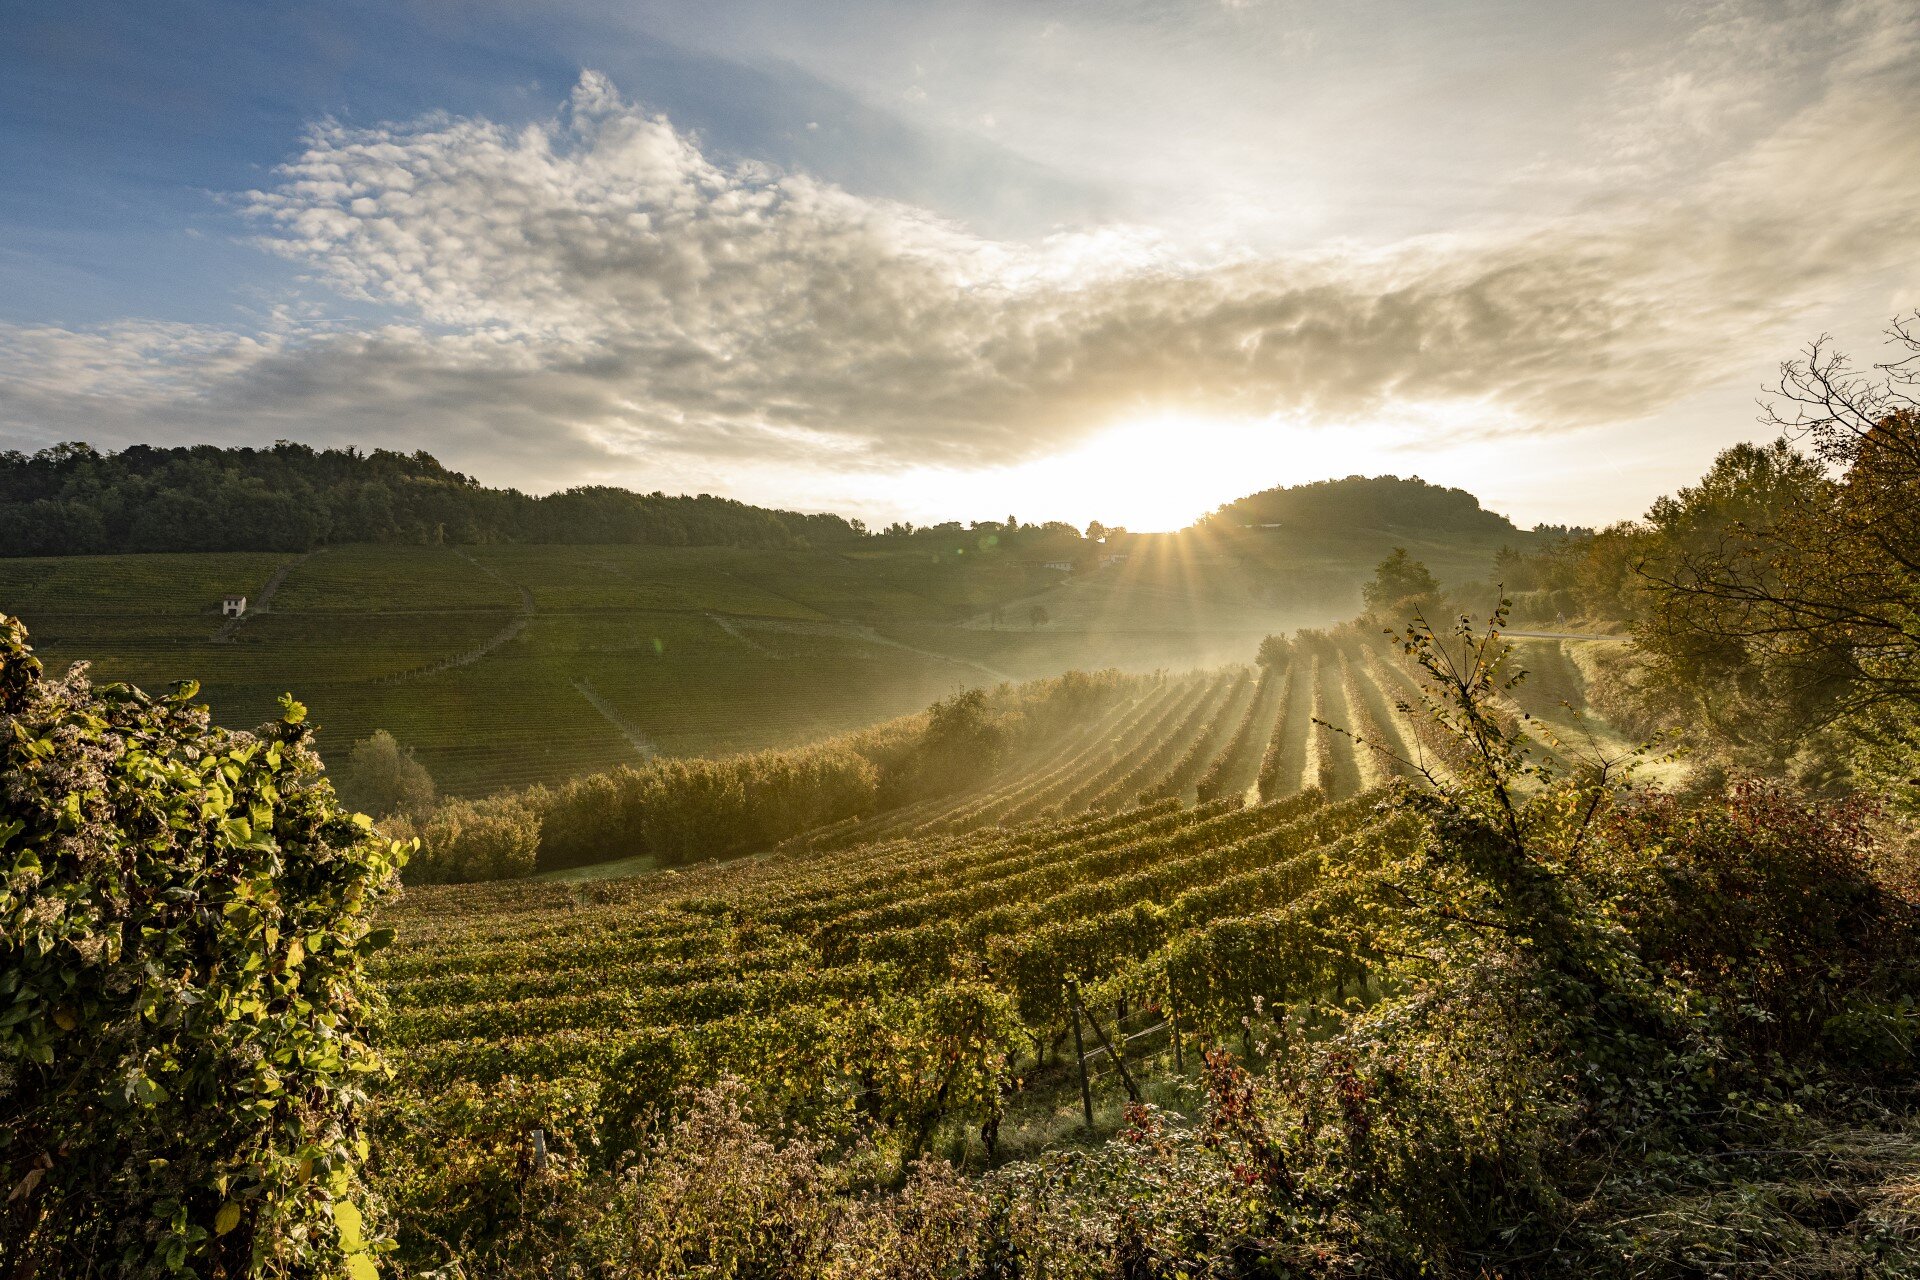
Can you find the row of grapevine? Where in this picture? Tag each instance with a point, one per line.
(820, 976)
(1249, 740)
(1209, 746)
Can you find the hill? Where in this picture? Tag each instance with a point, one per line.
(682, 626)
(74, 500)
(1075, 951)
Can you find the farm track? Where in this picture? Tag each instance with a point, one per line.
(860, 631)
(611, 714)
(225, 634)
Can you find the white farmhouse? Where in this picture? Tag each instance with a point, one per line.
(233, 606)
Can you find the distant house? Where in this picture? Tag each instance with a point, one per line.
(233, 606)
(1114, 557)
(1063, 566)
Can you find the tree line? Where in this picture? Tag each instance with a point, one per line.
(679, 810)
(1774, 606)
(72, 499)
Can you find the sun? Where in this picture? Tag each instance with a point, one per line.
(1162, 472)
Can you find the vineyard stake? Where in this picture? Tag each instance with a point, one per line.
(1179, 1058)
(1126, 1077)
(1080, 1061)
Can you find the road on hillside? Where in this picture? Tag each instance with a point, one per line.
(1561, 635)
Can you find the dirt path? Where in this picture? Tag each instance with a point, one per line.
(1563, 635)
(611, 714)
(727, 625)
(485, 647)
(225, 634)
(858, 631)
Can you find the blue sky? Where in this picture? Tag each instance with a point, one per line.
(1118, 260)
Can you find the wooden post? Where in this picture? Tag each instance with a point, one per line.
(1126, 1077)
(1080, 1061)
(1179, 1058)
(539, 1150)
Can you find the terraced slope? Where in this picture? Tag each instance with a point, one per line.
(788, 969)
(476, 657)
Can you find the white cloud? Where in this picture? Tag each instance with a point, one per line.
(572, 296)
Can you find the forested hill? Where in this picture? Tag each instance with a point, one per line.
(72, 499)
(1366, 502)
(75, 500)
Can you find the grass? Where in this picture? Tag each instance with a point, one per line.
(701, 650)
(661, 634)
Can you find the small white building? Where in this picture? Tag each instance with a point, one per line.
(232, 606)
(1061, 566)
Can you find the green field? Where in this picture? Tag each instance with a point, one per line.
(503, 665)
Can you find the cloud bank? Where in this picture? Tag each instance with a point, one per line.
(594, 295)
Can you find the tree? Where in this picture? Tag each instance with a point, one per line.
(382, 778)
(1038, 615)
(1274, 651)
(1809, 588)
(1399, 581)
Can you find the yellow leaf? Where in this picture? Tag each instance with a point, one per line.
(227, 1219)
(360, 1267)
(65, 1018)
(346, 1216)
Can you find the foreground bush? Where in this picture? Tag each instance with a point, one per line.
(183, 999)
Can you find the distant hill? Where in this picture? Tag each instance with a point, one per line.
(1365, 502)
(508, 639)
(74, 500)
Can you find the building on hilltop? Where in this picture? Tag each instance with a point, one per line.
(233, 606)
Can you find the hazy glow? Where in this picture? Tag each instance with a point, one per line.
(1149, 474)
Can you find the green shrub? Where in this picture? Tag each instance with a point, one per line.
(467, 840)
(183, 996)
(382, 778)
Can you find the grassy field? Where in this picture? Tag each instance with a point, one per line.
(509, 664)
(499, 665)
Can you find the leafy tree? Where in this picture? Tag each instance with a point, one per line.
(184, 929)
(1366, 502)
(466, 840)
(1038, 616)
(382, 778)
(1799, 591)
(1399, 581)
(1274, 651)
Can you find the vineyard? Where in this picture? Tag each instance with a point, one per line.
(502, 665)
(1124, 896)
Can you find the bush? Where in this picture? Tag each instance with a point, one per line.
(382, 778)
(1767, 902)
(468, 840)
(184, 1001)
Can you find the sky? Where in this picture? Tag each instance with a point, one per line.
(1121, 260)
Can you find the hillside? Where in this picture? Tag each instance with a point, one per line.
(505, 663)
